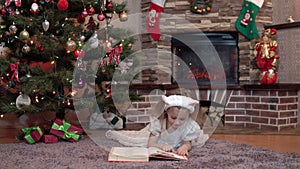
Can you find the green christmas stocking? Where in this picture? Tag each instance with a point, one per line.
(245, 23)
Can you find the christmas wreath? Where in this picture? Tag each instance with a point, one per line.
(201, 6)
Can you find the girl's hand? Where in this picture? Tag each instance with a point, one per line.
(167, 147)
(183, 150)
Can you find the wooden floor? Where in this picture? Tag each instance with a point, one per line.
(279, 142)
(287, 140)
(282, 143)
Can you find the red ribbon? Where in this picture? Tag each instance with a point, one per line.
(14, 68)
(115, 54)
(17, 2)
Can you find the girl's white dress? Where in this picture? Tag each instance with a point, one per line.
(190, 131)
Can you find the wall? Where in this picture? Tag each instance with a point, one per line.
(288, 41)
(270, 108)
(284, 9)
(179, 19)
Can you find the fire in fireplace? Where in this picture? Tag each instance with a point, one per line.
(207, 58)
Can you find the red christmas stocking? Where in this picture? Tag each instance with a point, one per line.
(152, 22)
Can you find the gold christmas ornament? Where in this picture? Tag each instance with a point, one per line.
(24, 35)
(71, 45)
(123, 16)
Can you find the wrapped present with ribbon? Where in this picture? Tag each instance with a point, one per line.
(65, 130)
(32, 134)
(49, 138)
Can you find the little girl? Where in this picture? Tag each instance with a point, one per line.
(172, 127)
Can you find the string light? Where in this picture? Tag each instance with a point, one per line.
(37, 99)
(68, 103)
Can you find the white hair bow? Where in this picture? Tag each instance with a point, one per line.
(181, 101)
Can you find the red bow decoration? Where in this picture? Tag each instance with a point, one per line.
(17, 2)
(115, 54)
(15, 75)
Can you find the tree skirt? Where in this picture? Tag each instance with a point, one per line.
(87, 154)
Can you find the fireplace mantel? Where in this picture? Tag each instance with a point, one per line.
(284, 25)
(208, 87)
(272, 87)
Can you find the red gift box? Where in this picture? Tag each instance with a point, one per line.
(49, 138)
(66, 130)
(33, 134)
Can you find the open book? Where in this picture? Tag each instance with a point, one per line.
(141, 154)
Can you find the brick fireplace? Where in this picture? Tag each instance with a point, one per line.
(247, 103)
(204, 57)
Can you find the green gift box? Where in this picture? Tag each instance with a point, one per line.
(32, 134)
(65, 130)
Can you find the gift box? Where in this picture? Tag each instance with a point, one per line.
(49, 138)
(65, 130)
(32, 134)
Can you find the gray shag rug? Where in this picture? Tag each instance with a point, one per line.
(92, 154)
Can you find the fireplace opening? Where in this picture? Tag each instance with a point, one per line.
(205, 57)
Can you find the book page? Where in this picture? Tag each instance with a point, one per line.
(130, 151)
(158, 153)
(128, 154)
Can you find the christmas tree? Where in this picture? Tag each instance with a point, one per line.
(44, 42)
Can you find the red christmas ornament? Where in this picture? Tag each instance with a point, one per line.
(40, 47)
(91, 10)
(80, 19)
(2, 11)
(110, 5)
(76, 53)
(101, 17)
(84, 13)
(62, 5)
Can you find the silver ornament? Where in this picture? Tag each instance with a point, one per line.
(25, 48)
(46, 25)
(13, 29)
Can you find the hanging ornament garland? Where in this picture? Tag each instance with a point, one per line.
(201, 6)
